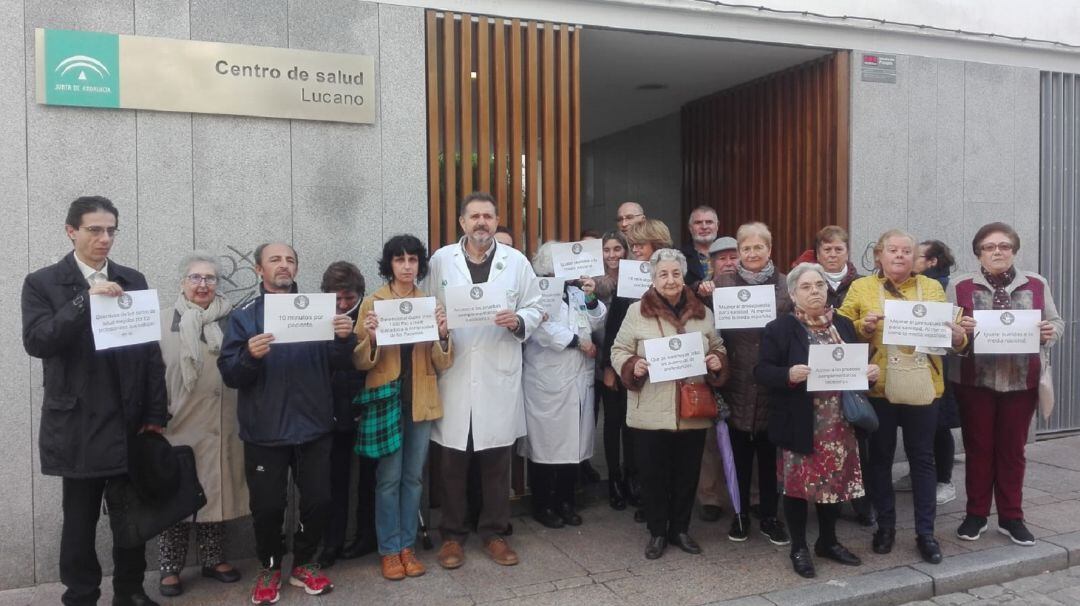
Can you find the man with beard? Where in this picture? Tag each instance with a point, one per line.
(286, 414)
(347, 283)
(483, 405)
(703, 225)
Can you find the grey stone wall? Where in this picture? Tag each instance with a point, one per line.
(949, 147)
(642, 163)
(336, 191)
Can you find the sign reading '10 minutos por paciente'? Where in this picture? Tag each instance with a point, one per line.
(92, 69)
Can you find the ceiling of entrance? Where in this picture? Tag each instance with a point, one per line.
(614, 64)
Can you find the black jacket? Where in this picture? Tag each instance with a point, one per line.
(81, 436)
(285, 398)
(345, 384)
(693, 268)
(784, 344)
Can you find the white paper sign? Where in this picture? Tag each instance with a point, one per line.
(744, 306)
(1007, 331)
(675, 357)
(838, 367)
(917, 323)
(296, 318)
(406, 321)
(634, 279)
(129, 319)
(576, 259)
(551, 290)
(474, 304)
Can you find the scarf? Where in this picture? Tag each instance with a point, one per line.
(756, 278)
(1002, 300)
(836, 278)
(198, 324)
(820, 328)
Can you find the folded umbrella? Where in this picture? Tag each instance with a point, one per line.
(723, 443)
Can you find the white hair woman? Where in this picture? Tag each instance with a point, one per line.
(557, 380)
(668, 447)
(202, 415)
(819, 454)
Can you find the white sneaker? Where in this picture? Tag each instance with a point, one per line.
(946, 493)
(903, 484)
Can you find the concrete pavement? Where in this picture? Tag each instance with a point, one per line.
(602, 562)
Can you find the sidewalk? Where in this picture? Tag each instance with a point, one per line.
(602, 562)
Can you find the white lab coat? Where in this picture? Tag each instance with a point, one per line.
(558, 385)
(482, 389)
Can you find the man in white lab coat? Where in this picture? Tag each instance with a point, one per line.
(483, 407)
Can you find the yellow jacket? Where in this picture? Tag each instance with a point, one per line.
(864, 297)
(384, 363)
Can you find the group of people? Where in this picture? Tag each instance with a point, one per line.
(257, 413)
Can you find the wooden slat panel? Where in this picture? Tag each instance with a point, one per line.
(450, 147)
(548, 139)
(774, 150)
(517, 131)
(502, 147)
(564, 179)
(434, 173)
(483, 104)
(466, 104)
(532, 133)
(575, 143)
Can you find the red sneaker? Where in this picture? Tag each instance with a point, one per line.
(267, 587)
(311, 579)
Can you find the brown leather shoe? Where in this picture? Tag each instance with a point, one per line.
(413, 567)
(451, 555)
(392, 568)
(500, 552)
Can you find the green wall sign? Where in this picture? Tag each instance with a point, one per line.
(82, 68)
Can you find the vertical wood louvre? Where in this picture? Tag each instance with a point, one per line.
(773, 150)
(504, 117)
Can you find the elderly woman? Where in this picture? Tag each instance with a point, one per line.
(644, 238)
(998, 393)
(833, 252)
(557, 381)
(411, 369)
(668, 447)
(819, 455)
(202, 415)
(912, 401)
(749, 407)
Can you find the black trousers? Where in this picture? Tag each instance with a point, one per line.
(919, 424)
(80, 571)
(342, 457)
(669, 463)
(616, 431)
(267, 471)
(494, 466)
(552, 484)
(745, 446)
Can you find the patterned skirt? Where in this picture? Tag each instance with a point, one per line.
(831, 474)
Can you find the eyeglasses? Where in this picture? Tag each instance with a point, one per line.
(625, 218)
(197, 279)
(1002, 246)
(97, 231)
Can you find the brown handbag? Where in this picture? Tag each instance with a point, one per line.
(696, 400)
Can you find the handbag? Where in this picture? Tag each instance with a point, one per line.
(858, 411)
(1046, 387)
(908, 379)
(135, 518)
(696, 400)
(378, 431)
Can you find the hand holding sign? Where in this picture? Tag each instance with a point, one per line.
(675, 357)
(401, 321)
(295, 318)
(635, 277)
(129, 318)
(573, 259)
(837, 367)
(475, 305)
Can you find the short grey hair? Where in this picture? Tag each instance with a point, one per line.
(800, 269)
(542, 263)
(199, 256)
(666, 254)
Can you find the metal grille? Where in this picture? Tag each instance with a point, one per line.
(1059, 225)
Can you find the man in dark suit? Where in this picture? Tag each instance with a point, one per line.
(95, 401)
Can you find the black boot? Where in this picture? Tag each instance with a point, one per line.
(616, 494)
(632, 488)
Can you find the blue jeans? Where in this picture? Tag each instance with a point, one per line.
(398, 487)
